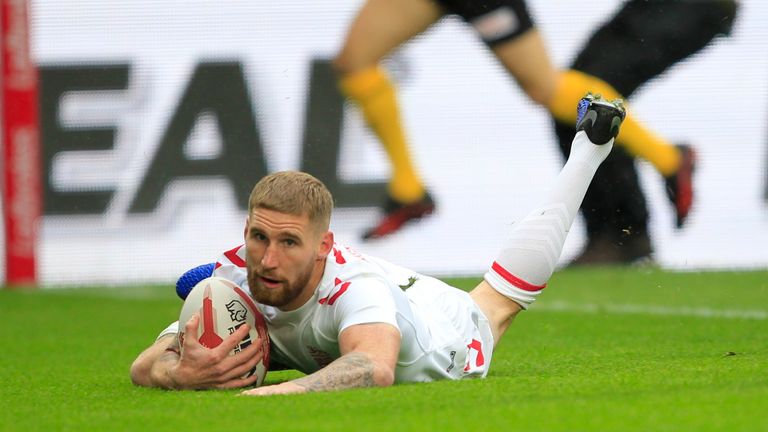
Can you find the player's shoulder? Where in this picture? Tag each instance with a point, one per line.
(234, 256)
(231, 265)
(346, 268)
(346, 263)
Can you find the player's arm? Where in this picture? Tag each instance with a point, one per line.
(369, 356)
(163, 350)
(165, 365)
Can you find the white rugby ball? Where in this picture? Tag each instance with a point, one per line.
(223, 307)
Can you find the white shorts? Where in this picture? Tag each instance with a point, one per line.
(460, 333)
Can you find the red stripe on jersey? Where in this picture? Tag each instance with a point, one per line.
(331, 299)
(234, 257)
(514, 280)
(336, 281)
(338, 294)
(339, 257)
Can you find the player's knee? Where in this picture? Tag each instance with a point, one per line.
(340, 65)
(344, 64)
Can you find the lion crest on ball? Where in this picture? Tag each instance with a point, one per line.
(237, 311)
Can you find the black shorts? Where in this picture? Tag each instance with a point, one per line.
(643, 39)
(495, 20)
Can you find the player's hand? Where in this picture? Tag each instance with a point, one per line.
(283, 388)
(203, 368)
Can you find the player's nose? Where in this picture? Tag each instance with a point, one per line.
(269, 259)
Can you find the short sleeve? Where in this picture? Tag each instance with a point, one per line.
(231, 265)
(364, 301)
(171, 329)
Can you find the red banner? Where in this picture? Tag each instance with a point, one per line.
(22, 203)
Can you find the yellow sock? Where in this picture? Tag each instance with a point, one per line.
(635, 137)
(374, 93)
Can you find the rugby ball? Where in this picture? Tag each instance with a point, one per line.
(223, 307)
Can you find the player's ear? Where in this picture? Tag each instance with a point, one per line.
(245, 229)
(326, 244)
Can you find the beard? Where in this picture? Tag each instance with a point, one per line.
(278, 297)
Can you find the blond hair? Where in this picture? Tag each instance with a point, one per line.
(296, 193)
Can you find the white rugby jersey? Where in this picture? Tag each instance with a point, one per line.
(443, 333)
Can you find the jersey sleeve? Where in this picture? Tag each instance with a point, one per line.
(364, 301)
(171, 329)
(231, 265)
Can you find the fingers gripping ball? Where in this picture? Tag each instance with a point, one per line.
(223, 307)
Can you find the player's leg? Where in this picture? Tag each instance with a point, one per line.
(379, 27)
(522, 269)
(635, 136)
(638, 139)
(642, 41)
(526, 58)
(614, 210)
(507, 28)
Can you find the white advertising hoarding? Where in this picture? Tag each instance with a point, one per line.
(486, 152)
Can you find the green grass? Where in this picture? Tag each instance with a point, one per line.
(606, 349)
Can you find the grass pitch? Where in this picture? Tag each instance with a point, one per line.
(605, 349)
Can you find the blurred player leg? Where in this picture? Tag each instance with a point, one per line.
(614, 209)
(372, 90)
(523, 53)
(522, 269)
(381, 26)
(642, 40)
(635, 137)
(527, 59)
(507, 28)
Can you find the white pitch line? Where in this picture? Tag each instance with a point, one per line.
(625, 309)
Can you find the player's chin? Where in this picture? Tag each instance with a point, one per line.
(267, 296)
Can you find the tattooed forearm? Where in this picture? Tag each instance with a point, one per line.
(161, 369)
(166, 363)
(350, 371)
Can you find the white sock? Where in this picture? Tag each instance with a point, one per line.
(530, 255)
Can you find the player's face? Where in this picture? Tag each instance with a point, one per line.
(285, 257)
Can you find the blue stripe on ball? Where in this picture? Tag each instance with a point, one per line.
(191, 277)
